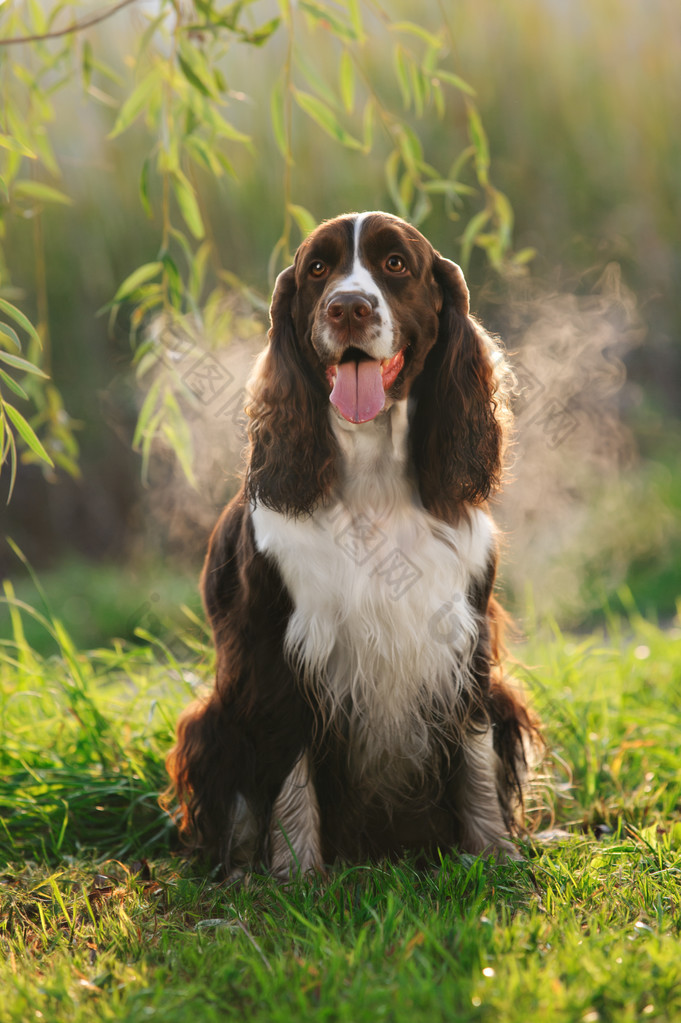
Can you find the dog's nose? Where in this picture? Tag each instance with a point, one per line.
(349, 307)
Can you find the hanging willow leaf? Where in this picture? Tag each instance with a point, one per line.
(23, 364)
(26, 432)
(303, 218)
(140, 276)
(16, 314)
(43, 193)
(325, 118)
(189, 207)
(137, 102)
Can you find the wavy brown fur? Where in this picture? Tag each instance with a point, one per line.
(293, 459)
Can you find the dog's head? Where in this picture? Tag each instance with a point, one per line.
(369, 315)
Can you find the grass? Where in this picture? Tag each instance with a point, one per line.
(102, 921)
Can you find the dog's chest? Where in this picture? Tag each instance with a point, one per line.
(379, 587)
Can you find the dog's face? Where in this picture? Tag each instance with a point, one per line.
(366, 308)
(368, 315)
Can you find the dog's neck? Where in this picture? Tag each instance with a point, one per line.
(375, 457)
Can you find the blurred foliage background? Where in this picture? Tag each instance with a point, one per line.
(537, 143)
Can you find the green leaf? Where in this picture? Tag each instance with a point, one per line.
(173, 281)
(260, 35)
(177, 433)
(12, 449)
(144, 189)
(4, 191)
(356, 19)
(38, 22)
(368, 125)
(443, 187)
(524, 256)
(140, 276)
(13, 386)
(195, 69)
(325, 118)
(15, 146)
(410, 148)
(455, 80)
(204, 155)
(23, 364)
(27, 434)
(420, 210)
(223, 128)
(303, 218)
(149, 33)
(462, 159)
(277, 117)
(11, 335)
(322, 16)
(473, 229)
(146, 412)
(43, 193)
(313, 78)
(347, 81)
(505, 218)
(419, 86)
(16, 314)
(480, 144)
(86, 65)
(417, 30)
(189, 207)
(402, 72)
(198, 270)
(391, 168)
(136, 102)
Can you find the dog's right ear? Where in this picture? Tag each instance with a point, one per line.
(293, 457)
(459, 419)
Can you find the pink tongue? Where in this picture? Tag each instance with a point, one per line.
(358, 392)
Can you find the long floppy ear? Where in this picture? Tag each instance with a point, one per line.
(457, 424)
(293, 459)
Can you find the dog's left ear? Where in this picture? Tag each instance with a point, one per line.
(456, 428)
(293, 452)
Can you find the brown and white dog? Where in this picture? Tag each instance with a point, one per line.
(360, 709)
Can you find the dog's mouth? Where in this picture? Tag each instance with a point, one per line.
(359, 383)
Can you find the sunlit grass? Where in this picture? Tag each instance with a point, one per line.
(101, 921)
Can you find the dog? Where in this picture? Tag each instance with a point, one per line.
(360, 708)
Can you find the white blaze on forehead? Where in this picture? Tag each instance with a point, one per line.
(361, 280)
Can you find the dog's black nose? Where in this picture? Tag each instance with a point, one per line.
(349, 307)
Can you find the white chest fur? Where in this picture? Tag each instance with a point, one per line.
(382, 628)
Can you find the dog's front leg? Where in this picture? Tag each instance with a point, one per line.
(295, 840)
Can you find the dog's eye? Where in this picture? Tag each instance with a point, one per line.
(395, 264)
(317, 268)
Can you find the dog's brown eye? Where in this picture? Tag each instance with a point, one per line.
(395, 264)
(317, 268)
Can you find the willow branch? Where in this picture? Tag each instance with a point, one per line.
(76, 26)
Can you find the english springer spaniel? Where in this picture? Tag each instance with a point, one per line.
(360, 709)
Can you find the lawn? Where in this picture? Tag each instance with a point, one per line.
(102, 920)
